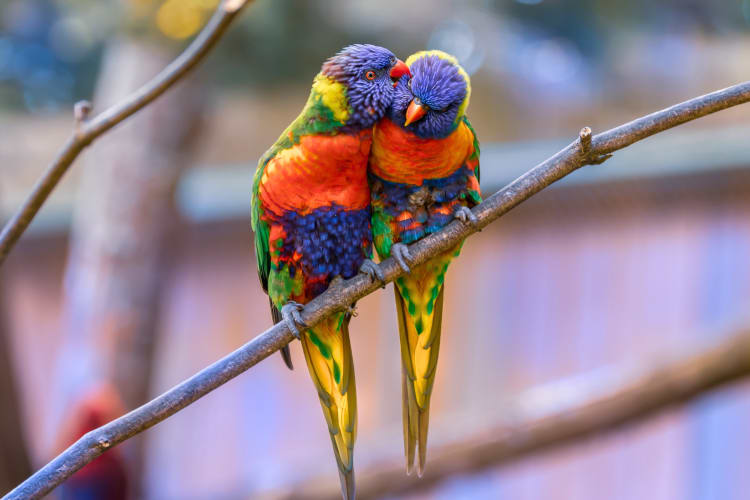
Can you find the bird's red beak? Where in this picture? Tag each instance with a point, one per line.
(414, 112)
(398, 70)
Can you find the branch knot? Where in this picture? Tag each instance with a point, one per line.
(103, 443)
(81, 111)
(584, 146)
(232, 6)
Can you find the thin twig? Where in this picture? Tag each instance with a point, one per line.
(339, 297)
(86, 131)
(556, 414)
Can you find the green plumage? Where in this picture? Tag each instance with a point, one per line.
(329, 359)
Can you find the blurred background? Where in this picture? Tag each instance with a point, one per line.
(139, 271)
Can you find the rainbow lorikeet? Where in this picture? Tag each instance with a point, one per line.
(424, 172)
(311, 217)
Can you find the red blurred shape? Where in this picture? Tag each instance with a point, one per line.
(106, 477)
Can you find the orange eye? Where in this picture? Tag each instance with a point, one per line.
(370, 75)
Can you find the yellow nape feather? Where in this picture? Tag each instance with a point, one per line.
(333, 96)
(452, 60)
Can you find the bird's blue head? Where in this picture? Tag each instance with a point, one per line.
(432, 102)
(368, 74)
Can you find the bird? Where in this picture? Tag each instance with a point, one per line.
(311, 218)
(424, 173)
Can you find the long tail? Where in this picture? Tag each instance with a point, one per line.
(329, 358)
(286, 354)
(419, 304)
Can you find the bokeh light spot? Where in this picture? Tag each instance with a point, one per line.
(180, 19)
(553, 61)
(458, 38)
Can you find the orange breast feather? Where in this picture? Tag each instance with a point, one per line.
(318, 172)
(398, 155)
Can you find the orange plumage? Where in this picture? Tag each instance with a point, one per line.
(401, 156)
(333, 165)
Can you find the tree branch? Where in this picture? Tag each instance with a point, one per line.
(86, 131)
(338, 297)
(557, 414)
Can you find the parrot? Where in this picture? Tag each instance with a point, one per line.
(423, 173)
(311, 218)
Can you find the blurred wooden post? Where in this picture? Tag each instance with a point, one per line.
(124, 225)
(14, 459)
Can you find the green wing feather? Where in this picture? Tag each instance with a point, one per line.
(475, 196)
(475, 154)
(383, 236)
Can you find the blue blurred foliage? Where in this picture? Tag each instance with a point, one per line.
(36, 71)
(50, 49)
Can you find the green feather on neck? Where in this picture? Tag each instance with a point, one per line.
(326, 111)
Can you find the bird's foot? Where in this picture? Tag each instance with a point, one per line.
(352, 310)
(372, 270)
(465, 215)
(291, 314)
(400, 252)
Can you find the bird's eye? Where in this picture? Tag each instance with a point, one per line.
(370, 75)
(409, 83)
(393, 60)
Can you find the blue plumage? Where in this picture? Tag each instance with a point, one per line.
(368, 99)
(324, 241)
(439, 192)
(439, 86)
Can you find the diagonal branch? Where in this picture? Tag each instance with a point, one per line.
(86, 131)
(574, 156)
(557, 414)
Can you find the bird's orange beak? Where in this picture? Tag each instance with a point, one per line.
(414, 112)
(398, 70)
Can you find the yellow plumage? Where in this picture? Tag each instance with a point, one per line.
(333, 96)
(328, 354)
(419, 305)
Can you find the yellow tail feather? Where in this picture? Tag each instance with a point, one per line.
(329, 359)
(419, 304)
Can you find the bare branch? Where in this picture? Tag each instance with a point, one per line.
(579, 409)
(86, 131)
(339, 297)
